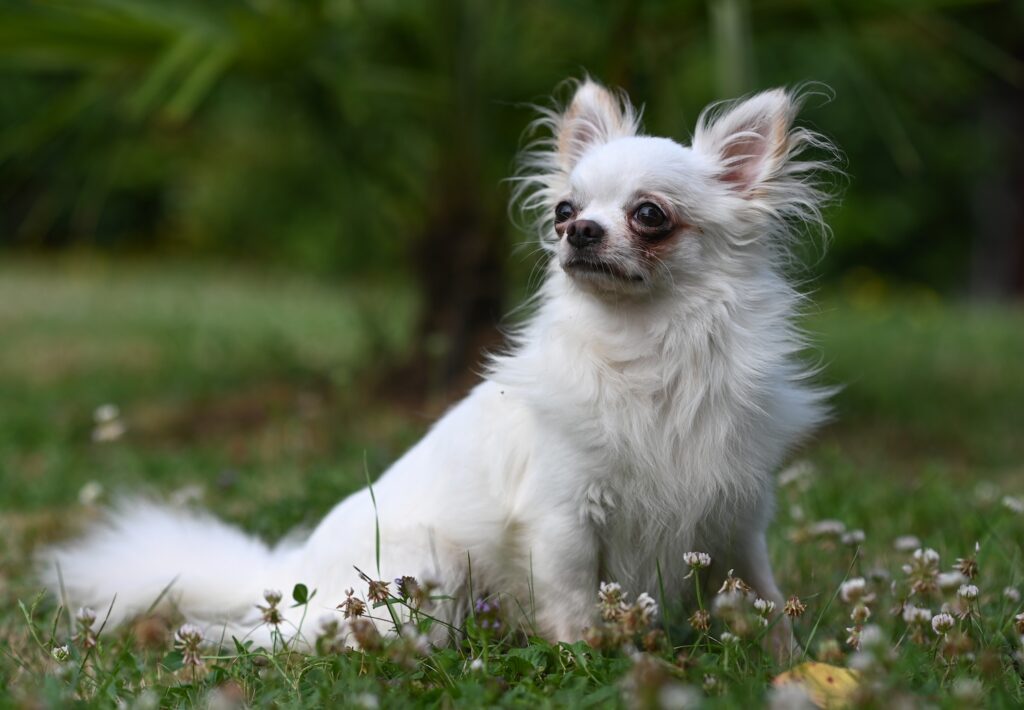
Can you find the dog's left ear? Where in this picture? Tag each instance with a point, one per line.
(750, 140)
(594, 116)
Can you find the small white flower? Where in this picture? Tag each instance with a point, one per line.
(366, 700)
(764, 607)
(799, 474)
(853, 538)
(926, 555)
(108, 431)
(942, 623)
(647, 605)
(827, 528)
(871, 636)
(697, 560)
(85, 616)
(609, 589)
(90, 493)
(950, 580)
(916, 615)
(105, 413)
(1011, 594)
(968, 591)
(729, 639)
(477, 664)
(906, 543)
(60, 653)
(853, 590)
(190, 633)
(728, 601)
(1014, 504)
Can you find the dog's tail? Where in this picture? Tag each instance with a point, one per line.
(145, 557)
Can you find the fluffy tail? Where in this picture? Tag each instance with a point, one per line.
(145, 556)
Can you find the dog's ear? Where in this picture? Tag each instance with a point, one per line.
(750, 140)
(594, 116)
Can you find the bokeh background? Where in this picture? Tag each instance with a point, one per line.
(274, 233)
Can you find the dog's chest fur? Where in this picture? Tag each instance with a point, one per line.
(668, 423)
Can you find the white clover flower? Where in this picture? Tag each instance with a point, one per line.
(927, 556)
(916, 615)
(764, 607)
(871, 636)
(85, 616)
(827, 528)
(60, 653)
(366, 700)
(90, 493)
(853, 590)
(1011, 594)
(853, 537)
(647, 606)
(1014, 504)
(729, 639)
(967, 591)
(860, 614)
(728, 601)
(799, 474)
(906, 543)
(950, 580)
(697, 560)
(942, 623)
(106, 413)
(108, 431)
(610, 589)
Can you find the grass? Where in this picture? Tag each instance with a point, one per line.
(245, 390)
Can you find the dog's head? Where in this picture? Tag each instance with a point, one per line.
(625, 213)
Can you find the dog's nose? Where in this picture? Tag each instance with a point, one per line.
(584, 233)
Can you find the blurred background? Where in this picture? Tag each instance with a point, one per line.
(275, 232)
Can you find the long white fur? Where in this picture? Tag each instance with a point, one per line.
(628, 423)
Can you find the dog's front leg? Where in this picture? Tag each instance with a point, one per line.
(563, 574)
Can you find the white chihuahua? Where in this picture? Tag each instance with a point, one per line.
(639, 415)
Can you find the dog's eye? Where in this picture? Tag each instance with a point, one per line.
(563, 211)
(650, 215)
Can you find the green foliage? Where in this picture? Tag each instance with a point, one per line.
(328, 133)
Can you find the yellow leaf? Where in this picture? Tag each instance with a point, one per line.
(828, 686)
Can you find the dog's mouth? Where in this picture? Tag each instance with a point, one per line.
(591, 268)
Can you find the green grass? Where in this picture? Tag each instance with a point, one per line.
(247, 389)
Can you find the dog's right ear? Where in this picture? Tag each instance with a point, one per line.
(594, 116)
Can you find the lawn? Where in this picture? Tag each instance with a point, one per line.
(251, 393)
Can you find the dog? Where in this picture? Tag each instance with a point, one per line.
(637, 415)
